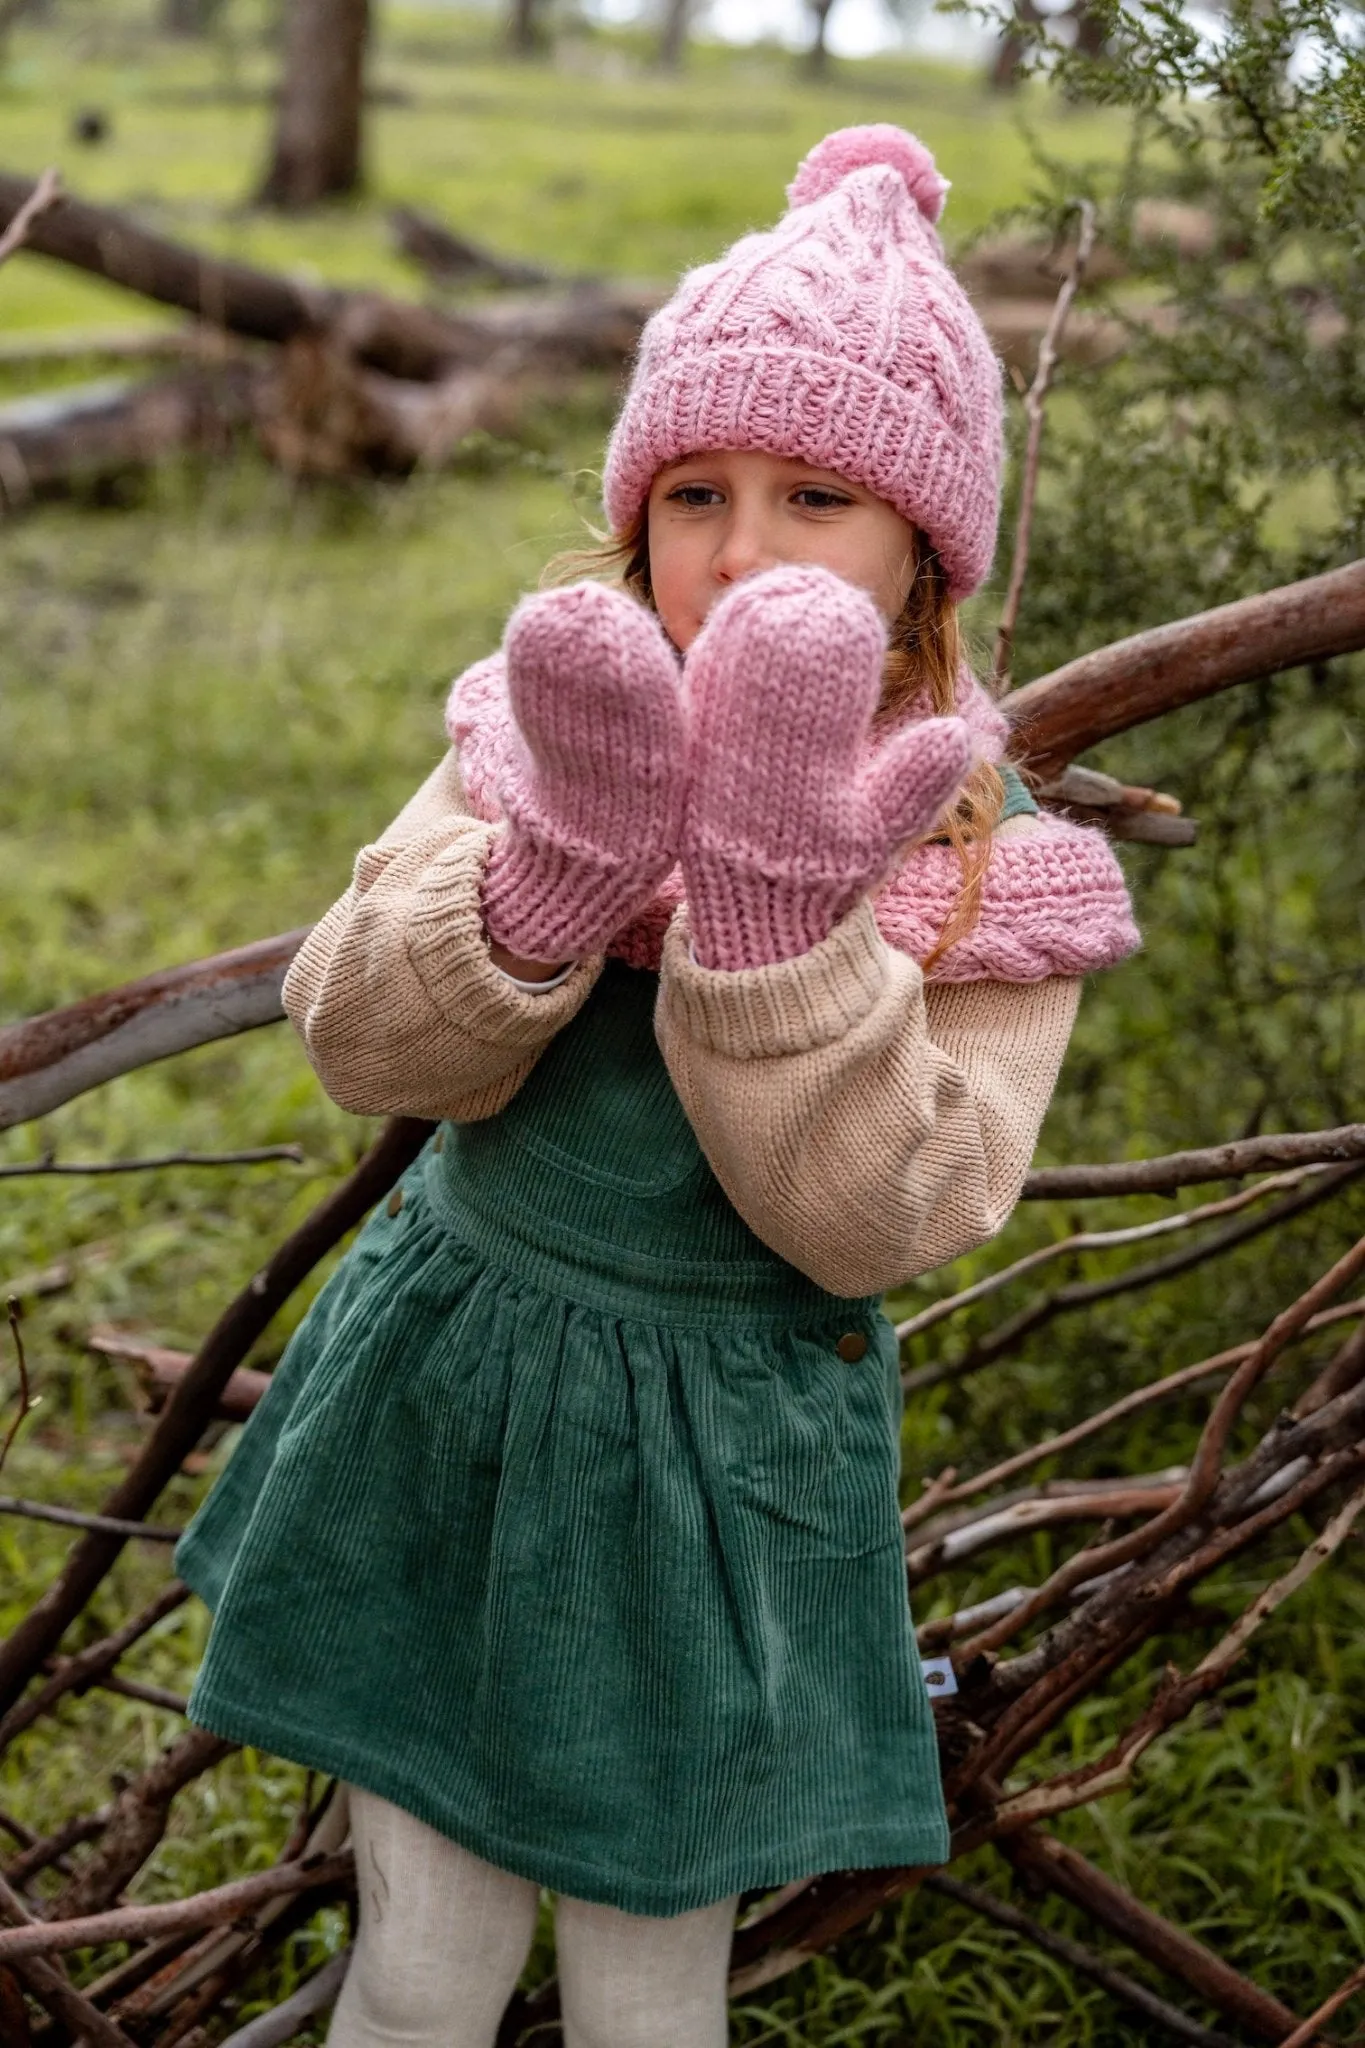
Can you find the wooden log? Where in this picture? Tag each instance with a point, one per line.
(596, 325)
(101, 430)
(451, 259)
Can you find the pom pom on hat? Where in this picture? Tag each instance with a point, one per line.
(858, 149)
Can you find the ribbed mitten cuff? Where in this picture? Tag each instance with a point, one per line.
(792, 1006)
(543, 901)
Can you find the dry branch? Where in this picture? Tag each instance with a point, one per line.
(1303, 2036)
(48, 1060)
(1065, 1871)
(1061, 714)
(592, 326)
(85, 437)
(49, 1986)
(74, 1518)
(1187, 1169)
(1035, 405)
(194, 1401)
(203, 1909)
(160, 1370)
(1116, 1982)
(255, 1155)
(44, 194)
(137, 1823)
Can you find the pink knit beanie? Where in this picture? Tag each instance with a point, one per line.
(841, 336)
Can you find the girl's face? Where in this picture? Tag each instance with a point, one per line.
(717, 517)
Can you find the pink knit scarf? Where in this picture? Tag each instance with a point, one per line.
(1053, 901)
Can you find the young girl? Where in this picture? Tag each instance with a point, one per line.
(738, 974)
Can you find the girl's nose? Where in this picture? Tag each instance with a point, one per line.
(744, 550)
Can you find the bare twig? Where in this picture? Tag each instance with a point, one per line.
(45, 193)
(149, 1695)
(14, 1310)
(1303, 2036)
(137, 1823)
(1204, 1469)
(1035, 406)
(1097, 1241)
(1186, 1169)
(191, 1407)
(269, 2029)
(256, 1155)
(92, 1662)
(1130, 1404)
(1116, 1982)
(204, 1909)
(49, 1986)
(1006, 1337)
(73, 1518)
(1064, 1870)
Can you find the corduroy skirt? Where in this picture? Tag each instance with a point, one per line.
(568, 1522)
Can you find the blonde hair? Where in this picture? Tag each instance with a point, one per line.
(924, 660)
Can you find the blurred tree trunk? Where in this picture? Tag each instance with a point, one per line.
(317, 151)
(673, 37)
(189, 17)
(1009, 51)
(526, 27)
(817, 56)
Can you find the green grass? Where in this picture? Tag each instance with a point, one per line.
(215, 688)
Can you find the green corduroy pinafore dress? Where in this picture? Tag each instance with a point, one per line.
(568, 1524)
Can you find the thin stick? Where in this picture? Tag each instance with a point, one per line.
(45, 193)
(1142, 1397)
(50, 1987)
(14, 1309)
(1125, 1988)
(204, 1909)
(1035, 405)
(194, 1402)
(149, 1695)
(1301, 2036)
(73, 1518)
(1164, 1175)
(280, 2024)
(1098, 1241)
(92, 1661)
(255, 1156)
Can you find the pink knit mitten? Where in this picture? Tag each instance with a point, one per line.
(789, 821)
(593, 792)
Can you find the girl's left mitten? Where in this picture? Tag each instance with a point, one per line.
(593, 789)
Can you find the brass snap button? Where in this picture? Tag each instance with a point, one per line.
(395, 1201)
(852, 1346)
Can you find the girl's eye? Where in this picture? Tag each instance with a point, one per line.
(815, 498)
(695, 495)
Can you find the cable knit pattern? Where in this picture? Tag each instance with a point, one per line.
(592, 778)
(840, 336)
(1054, 900)
(789, 817)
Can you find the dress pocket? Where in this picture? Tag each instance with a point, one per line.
(814, 1450)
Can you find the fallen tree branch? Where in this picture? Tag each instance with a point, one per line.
(73, 1518)
(160, 1371)
(1005, 1338)
(76, 439)
(192, 1405)
(270, 2029)
(86, 2023)
(1174, 1170)
(1096, 1241)
(1065, 1871)
(256, 1155)
(1083, 1960)
(1061, 714)
(47, 1060)
(46, 193)
(136, 1824)
(203, 1909)
(1035, 405)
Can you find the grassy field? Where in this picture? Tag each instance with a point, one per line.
(211, 693)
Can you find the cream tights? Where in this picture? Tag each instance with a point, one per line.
(443, 1937)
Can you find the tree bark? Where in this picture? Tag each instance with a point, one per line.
(318, 139)
(525, 32)
(673, 37)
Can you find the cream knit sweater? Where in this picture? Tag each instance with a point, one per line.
(866, 1126)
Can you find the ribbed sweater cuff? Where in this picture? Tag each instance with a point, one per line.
(792, 1006)
(448, 948)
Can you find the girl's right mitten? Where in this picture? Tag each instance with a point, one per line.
(790, 816)
(593, 792)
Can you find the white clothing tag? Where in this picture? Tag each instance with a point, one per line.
(939, 1677)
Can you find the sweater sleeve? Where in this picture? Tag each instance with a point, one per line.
(398, 1003)
(867, 1127)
